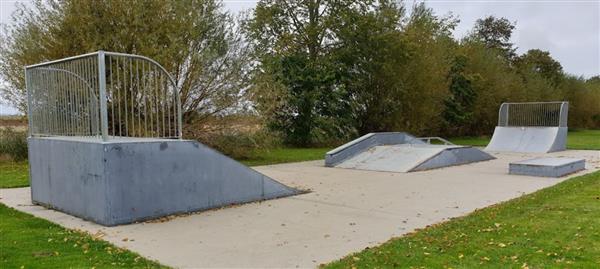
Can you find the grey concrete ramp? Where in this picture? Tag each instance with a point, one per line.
(400, 152)
(133, 179)
(528, 139)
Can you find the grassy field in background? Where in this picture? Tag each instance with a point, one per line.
(13, 174)
(576, 139)
(557, 227)
(30, 242)
(285, 155)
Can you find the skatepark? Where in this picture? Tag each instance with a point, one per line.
(345, 211)
(116, 164)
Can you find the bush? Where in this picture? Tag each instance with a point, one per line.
(239, 145)
(238, 136)
(13, 144)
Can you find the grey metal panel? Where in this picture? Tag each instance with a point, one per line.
(528, 139)
(178, 176)
(547, 167)
(68, 176)
(392, 158)
(131, 180)
(365, 142)
(454, 156)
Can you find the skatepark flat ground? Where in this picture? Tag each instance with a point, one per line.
(346, 211)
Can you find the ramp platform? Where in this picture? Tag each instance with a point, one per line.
(134, 179)
(547, 167)
(528, 139)
(537, 127)
(400, 152)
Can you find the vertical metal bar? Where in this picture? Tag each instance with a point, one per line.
(30, 119)
(112, 95)
(119, 95)
(144, 93)
(163, 101)
(62, 115)
(179, 119)
(102, 89)
(125, 101)
(139, 96)
(132, 90)
(151, 85)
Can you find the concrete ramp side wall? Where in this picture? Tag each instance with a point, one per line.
(363, 143)
(454, 156)
(115, 183)
(68, 176)
(179, 176)
(528, 139)
(560, 143)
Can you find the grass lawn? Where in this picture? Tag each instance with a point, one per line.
(557, 227)
(13, 174)
(30, 242)
(576, 139)
(285, 155)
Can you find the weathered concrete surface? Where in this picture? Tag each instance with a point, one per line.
(413, 157)
(128, 180)
(347, 211)
(528, 139)
(399, 152)
(547, 167)
(365, 142)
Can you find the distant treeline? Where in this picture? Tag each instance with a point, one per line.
(315, 71)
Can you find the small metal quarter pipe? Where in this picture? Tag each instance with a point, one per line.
(539, 127)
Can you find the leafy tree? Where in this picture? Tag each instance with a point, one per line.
(459, 106)
(194, 40)
(371, 51)
(540, 62)
(293, 41)
(495, 33)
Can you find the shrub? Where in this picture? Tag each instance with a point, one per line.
(13, 144)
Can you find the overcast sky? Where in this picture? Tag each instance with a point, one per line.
(570, 30)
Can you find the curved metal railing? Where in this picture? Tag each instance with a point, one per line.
(533, 114)
(103, 94)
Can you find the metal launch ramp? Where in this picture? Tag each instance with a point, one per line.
(538, 127)
(401, 152)
(106, 144)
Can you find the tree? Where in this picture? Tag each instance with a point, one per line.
(495, 33)
(371, 50)
(540, 62)
(459, 105)
(194, 40)
(292, 41)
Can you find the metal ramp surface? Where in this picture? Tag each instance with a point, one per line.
(404, 153)
(528, 139)
(535, 127)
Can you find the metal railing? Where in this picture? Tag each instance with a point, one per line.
(103, 95)
(429, 139)
(533, 114)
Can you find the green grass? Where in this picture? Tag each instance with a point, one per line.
(576, 139)
(13, 174)
(557, 227)
(583, 139)
(30, 242)
(285, 155)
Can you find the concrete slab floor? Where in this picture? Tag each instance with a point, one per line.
(346, 211)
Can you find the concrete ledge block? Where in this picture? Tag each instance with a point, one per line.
(547, 167)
